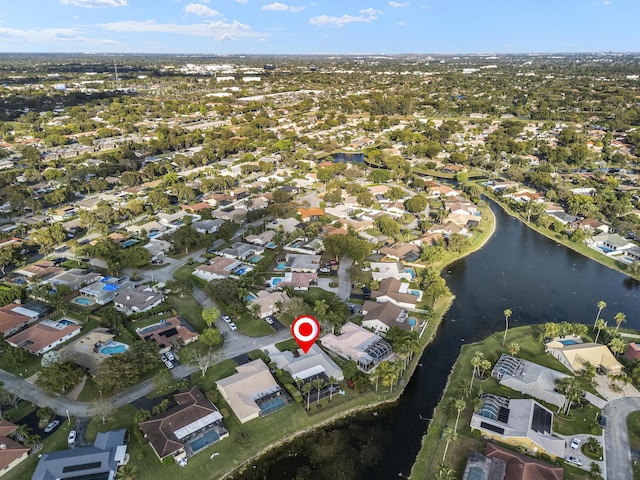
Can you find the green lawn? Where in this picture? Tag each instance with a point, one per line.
(185, 272)
(289, 344)
(633, 425)
(21, 410)
(531, 349)
(189, 309)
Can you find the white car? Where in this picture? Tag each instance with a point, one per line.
(269, 320)
(575, 443)
(170, 356)
(71, 440)
(52, 426)
(168, 364)
(574, 460)
(226, 318)
(233, 326)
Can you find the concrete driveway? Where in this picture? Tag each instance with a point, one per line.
(344, 279)
(586, 461)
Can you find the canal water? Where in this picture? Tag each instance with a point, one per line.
(537, 278)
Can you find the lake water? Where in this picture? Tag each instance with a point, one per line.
(537, 278)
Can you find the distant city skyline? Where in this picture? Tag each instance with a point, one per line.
(320, 27)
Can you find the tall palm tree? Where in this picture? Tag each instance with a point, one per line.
(476, 361)
(306, 390)
(318, 383)
(127, 472)
(600, 325)
(507, 314)
(459, 406)
(445, 472)
(620, 318)
(464, 390)
(514, 348)
(332, 381)
(449, 434)
(617, 346)
(601, 306)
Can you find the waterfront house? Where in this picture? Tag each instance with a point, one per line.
(394, 291)
(380, 317)
(575, 356)
(356, 343)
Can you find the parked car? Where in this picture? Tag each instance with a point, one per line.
(227, 319)
(233, 326)
(163, 357)
(603, 421)
(575, 443)
(574, 460)
(269, 320)
(168, 364)
(71, 440)
(170, 356)
(52, 426)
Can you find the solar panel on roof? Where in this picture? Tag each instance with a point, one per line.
(541, 421)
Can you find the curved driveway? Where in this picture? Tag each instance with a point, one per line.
(617, 449)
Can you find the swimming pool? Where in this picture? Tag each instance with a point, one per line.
(411, 272)
(114, 348)
(271, 245)
(85, 302)
(207, 439)
(250, 297)
(412, 321)
(606, 249)
(255, 258)
(129, 242)
(281, 266)
(568, 342)
(415, 293)
(275, 281)
(241, 271)
(64, 321)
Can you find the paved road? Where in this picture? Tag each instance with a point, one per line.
(617, 450)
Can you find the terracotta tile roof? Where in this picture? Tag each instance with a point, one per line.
(41, 335)
(521, 467)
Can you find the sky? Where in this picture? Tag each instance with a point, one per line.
(319, 27)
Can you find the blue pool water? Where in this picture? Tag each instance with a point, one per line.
(415, 293)
(250, 297)
(272, 404)
(412, 322)
(114, 348)
(209, 438)
(255, 259)
(411, 272)
(82, 301)
(605, 249)
(568, 342)
(154, 234)
(275, 281)
(240, 271)
(281, 266)
(64, 321)
(129, 242)
(271, 245)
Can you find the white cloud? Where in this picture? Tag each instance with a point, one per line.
(218, 30)
(398, 4)
(401, 24)
(282, 7)
(201, 10)
(95, 3)
(49, 35)
(367, 15)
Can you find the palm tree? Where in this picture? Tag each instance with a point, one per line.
(617, 346)
(449, 434)
(445, 472)
(601, 306)
(332, 381)
(514, 348)
(306, 390)
(600, 325)
(464, 390)
(459, 405)
(620, 318)
(592, 444)
(485, 366)
(375, 375)
(127, 472)
(476, 361)
(318, 383)
(507, 314)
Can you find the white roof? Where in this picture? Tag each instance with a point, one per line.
(197, 425)
(25, 311)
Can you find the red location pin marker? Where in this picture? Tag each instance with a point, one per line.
(305, 330)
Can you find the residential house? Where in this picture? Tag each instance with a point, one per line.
(529, 378)
(303, 263)
(356, 343)
(382, 270)
(306, 246)
(100, 461)
(263, 239)
(298, 280)
(307, 365)
(517, 422)
(14, 317)
(137, 300)
(312, 214)
(43, 270)
(192, 425)
(499, 463)
(11, 452)
(269, 302)
(288, 224)
(169, 333)
(241, 251)
(610, 244)
(44, 336)
(575, 356)
(401, 251)
(103, 291)
(563, 217)
(252, 392)
(175, 220)
(633, 352)
(380, 317)
(75, 278)
(394, 291)
(152, 229)
(591, 225)
(157, 248)
(208, 226)
(221, 267)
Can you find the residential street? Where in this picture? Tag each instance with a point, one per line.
(344, 279)
(617, 452)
